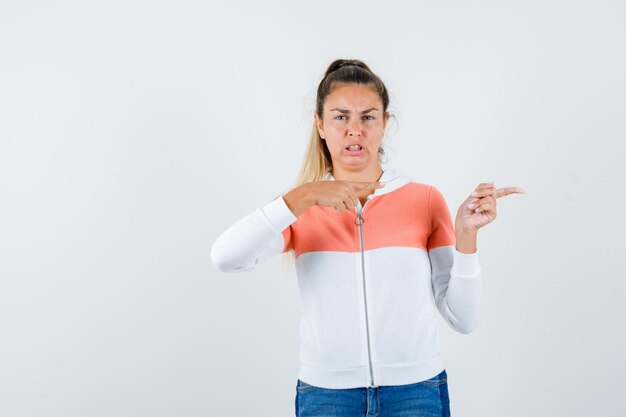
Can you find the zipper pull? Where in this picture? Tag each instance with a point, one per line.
(359, 220)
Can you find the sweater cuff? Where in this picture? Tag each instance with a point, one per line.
(278, 214)
(465, 264)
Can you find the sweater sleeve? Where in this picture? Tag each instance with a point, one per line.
(250, 241)
(456, 276)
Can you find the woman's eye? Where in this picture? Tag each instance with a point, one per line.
(367, 117)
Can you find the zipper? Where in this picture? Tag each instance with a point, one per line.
(359, 221)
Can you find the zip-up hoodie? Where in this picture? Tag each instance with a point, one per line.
(369, 279)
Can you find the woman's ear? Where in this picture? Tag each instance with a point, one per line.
(320, 125)
(385, 119)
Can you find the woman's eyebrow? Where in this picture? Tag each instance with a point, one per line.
(348, 111)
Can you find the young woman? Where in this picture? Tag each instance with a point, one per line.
(376, 255)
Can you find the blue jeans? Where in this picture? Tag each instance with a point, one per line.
(426, 398)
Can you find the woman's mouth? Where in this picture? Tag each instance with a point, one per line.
(354, 150)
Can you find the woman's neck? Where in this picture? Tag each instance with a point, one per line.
(365, 175)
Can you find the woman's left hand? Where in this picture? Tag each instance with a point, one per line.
(479, 209)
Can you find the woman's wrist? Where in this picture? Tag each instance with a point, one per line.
(466, 240)
(297, 200)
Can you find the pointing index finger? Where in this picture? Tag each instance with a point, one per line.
(501, 192)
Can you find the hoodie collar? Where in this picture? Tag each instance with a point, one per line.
(392, 177)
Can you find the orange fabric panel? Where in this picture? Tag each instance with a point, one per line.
(399, 218)
(442, 233)
(415, 215)
(323, 228)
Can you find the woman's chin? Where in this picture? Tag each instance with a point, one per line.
(359, 158)
(355, 162)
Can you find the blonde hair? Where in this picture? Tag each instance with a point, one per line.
(317, 160)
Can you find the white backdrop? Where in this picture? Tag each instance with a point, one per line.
(134, 132)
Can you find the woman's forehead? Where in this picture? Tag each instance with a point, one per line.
(353, 95)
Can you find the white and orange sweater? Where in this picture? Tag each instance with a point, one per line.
(370, 280)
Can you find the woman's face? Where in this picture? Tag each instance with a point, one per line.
(353, 114)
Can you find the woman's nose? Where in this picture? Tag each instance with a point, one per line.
(354, 129)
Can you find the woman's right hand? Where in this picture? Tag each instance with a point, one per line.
(342, 195)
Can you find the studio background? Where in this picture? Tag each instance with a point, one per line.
(134, 132)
